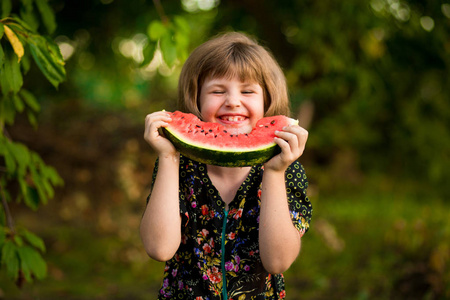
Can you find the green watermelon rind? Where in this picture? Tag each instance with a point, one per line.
(224, 158)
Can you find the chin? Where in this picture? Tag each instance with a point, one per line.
(243, 130)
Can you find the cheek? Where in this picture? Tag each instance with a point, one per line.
(207, 110)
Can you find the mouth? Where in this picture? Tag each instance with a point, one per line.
(232, 119)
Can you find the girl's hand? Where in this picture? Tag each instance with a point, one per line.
(292, 141)
(159, 143)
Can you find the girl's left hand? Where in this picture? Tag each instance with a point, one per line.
(292, 141)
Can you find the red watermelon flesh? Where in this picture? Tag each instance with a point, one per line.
(212, 143)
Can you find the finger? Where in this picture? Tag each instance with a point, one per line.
(283, 144)
(157, 116)
(152, 128)
(297, 130)
(289, 137)
(301, 133)
(296, 141)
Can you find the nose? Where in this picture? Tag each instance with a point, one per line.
(233, 99)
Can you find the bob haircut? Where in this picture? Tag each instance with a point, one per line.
(226, 56)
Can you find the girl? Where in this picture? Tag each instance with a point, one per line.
(227, 233)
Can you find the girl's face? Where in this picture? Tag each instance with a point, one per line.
(235, 104)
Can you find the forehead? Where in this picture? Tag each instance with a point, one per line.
(211, 81)
(244, 74)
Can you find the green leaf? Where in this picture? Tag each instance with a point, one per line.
(33, 239)
(18, 103)
(20, 26)
(47, 56)
(32, 119)
(18, 240)
(52, 175)
(156, 30)
(27, 3)
(2, 30)
(25, 63)
(31, 262)
(182, 44)
(30, 100)
(182, 25)
(4, 82)
(149, 52)
(23, 187)
(10, 259)
(168, 49)
(28, 15)
(6, 8)
(47, 15)
(21, 155)
(12, 73)
(40, 189)
(7, 110)
(32, 198)
(10, 162)
(2, 57)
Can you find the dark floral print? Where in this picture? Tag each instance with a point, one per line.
(218, 257)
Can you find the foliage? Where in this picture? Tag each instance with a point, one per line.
(24, 177)
(374, 71)
(370, 75)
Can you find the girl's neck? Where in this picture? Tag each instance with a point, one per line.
(227, 180)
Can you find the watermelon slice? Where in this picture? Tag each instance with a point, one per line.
(212, 143)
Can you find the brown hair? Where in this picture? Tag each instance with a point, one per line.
(228, 55)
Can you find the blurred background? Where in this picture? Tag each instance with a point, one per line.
(368, 79)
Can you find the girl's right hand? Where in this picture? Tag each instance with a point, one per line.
(159, 143)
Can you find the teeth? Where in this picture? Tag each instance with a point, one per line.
(234, 118)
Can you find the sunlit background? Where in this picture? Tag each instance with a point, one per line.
(368, 79)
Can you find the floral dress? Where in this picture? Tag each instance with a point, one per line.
(218, 257)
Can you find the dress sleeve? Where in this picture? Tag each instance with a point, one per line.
(299, 205)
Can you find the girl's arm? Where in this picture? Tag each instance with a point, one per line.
(161, 223)
(279, 240)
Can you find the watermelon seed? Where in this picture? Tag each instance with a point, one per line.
(273, 122)
(225, 131)
(198, 126)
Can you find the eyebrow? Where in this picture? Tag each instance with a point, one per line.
(219, 84)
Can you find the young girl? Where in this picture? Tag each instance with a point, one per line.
(227, 233)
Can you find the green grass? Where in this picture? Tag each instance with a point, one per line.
(374, 246)
(362, 245)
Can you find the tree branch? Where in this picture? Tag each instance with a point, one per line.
(160, 10)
